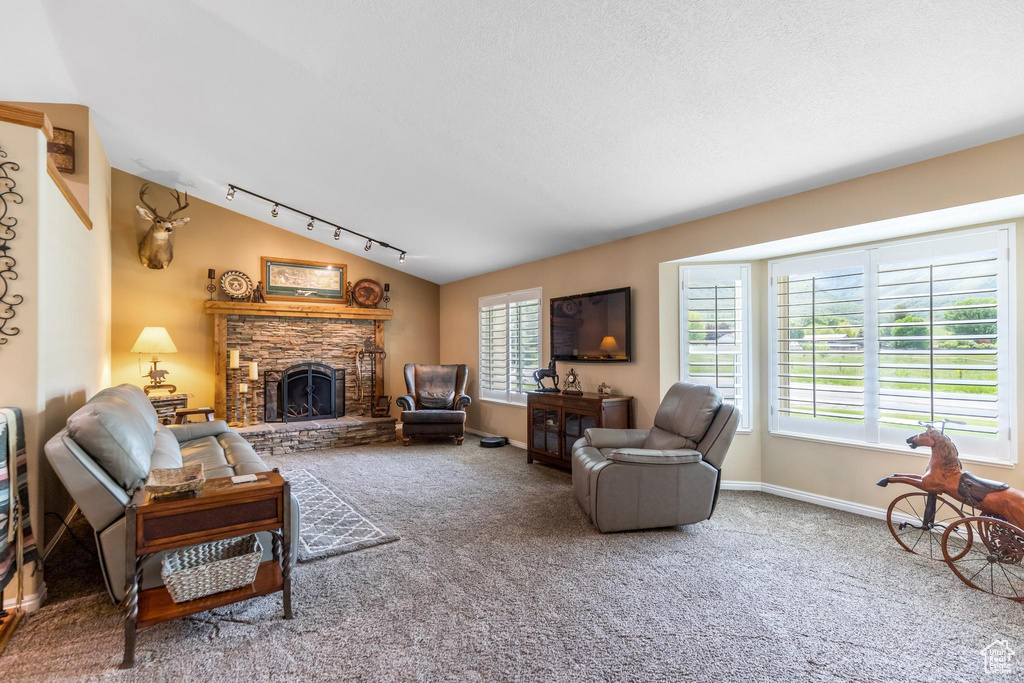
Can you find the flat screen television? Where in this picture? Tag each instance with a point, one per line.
(593, 327)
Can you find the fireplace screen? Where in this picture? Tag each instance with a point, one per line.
(306, 391)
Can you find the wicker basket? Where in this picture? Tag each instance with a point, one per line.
(208, 568)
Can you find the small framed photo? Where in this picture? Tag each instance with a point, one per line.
(297, 280)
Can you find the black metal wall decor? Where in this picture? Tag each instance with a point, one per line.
(7, 233)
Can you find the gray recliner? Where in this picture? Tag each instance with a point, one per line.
(669, 475)
(108, 448)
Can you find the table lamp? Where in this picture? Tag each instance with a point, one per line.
(609, 346)
(154, 341)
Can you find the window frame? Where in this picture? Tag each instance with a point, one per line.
(508, 298)
(1004, 235)
(746, 339)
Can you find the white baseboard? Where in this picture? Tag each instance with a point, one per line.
(740, 485)
(517, 444)
(816, 499)
(30, 603)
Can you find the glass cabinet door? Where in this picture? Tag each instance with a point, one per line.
(544, 430)
(576, 423)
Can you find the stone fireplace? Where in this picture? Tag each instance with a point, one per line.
(285, 337)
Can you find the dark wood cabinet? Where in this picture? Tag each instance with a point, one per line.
(556, 421)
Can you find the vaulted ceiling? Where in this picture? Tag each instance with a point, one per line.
(478, 135)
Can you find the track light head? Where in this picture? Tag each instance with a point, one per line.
(401, 258)
(273, 211)
(309, 225)
(231, 192)
(337, 234)
(368, 246)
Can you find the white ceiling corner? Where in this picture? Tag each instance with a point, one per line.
(482, 135)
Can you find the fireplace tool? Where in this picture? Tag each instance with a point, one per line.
(381, 405)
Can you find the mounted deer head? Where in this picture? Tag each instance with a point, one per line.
(155, 248)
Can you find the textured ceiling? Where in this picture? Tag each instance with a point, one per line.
(477, 135)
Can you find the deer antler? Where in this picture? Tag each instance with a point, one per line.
(142, 198)
(177, 199)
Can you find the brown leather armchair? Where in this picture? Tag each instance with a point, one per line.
(436, 402)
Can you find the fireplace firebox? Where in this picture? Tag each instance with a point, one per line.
(305, 391)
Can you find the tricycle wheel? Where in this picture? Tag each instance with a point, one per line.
(995, 563)
(905, 518)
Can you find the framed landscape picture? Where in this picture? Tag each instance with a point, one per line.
(297, 280)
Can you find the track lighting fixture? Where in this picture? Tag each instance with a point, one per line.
(338, 229)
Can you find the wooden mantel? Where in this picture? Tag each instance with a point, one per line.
(289, 309)
(220, 310)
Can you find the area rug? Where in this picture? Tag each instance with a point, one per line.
(331, 524)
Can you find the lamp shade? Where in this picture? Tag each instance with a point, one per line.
(154, 340)
(609, 345)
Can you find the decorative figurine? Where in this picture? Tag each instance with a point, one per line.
(549, 372)
(572, 384)
(257, 293)
(604, 389)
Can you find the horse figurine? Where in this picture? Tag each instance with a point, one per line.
(540, 375)
(945, 476)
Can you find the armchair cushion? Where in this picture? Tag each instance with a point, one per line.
(650, 456)
(433, 416)
(684, 416)
(435, 399)
(615, 438)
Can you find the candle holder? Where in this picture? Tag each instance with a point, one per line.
(234, 419)
(211, 288)
(387, 294)
(255, 420)
(245, 411)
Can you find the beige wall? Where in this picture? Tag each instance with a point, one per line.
(973, 175)
(61, 355)
(221, 239)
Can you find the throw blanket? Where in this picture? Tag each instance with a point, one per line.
(17, 544)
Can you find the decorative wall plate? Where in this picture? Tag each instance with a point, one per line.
(236, 284)
(367, 293)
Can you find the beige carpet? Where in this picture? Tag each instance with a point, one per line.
(499, 576)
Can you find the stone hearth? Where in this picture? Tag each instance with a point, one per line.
(282, 438)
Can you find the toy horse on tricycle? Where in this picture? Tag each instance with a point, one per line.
(981, 521)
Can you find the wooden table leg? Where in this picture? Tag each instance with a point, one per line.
(286, 565)
(130, 604)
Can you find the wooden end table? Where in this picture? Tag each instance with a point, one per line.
(220, 510)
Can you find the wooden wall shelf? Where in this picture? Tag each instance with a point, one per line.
(288, 309)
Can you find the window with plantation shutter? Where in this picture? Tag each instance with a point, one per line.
(715, 331)
(509, 345)
(872, 342)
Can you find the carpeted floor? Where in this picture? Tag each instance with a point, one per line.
(499, 576)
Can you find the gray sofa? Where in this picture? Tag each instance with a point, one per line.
(665, 476)
(108, 448)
